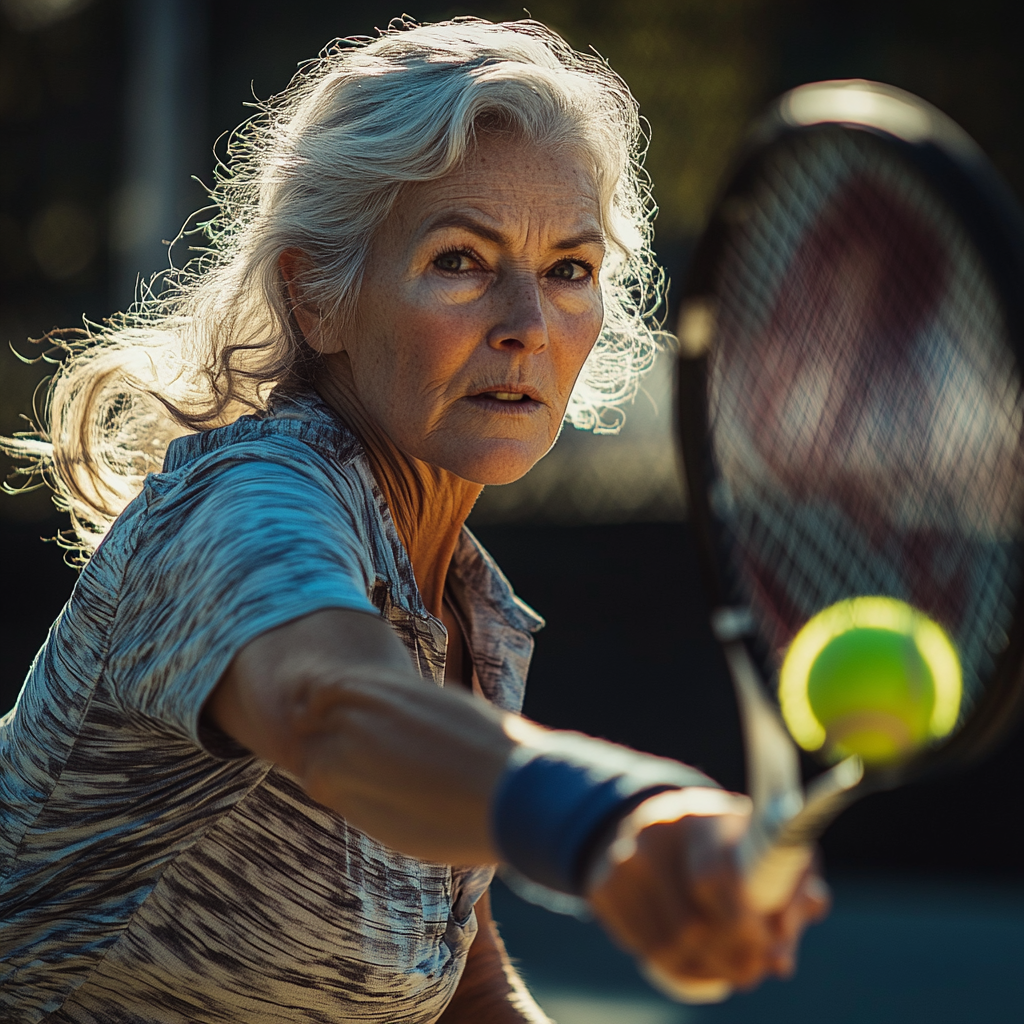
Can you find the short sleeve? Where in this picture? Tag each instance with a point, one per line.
(230, 547)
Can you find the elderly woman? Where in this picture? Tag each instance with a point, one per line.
(265, 763)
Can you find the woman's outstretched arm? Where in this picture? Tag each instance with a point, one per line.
(333, 698)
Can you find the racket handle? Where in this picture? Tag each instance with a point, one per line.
(779, 845)
(774, 878)
(774, 855)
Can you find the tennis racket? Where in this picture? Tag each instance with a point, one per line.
(850, 411)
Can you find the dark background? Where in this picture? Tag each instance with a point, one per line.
(627, 653)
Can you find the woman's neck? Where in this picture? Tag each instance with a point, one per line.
(429, 505)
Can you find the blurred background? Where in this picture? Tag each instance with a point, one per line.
(109, 111)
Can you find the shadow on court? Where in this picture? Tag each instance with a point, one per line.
(893, 951)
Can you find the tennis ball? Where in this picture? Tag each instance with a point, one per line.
(873, 692)
(870, 676)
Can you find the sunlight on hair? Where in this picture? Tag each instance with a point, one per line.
(318, 169)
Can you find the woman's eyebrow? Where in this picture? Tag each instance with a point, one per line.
(583, 238)
(476, 227)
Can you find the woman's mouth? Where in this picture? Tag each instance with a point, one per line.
(506, 401)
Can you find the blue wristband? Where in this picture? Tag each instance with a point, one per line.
(552, 806)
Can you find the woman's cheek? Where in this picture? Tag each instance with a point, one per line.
(452, 292)
(586, 328)
(434, 336)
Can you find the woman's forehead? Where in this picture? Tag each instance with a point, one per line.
(504, 184)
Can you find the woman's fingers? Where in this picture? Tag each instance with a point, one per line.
(674, 896)
(677, 901)
(817, 896)
(810, 903)
(638, 904)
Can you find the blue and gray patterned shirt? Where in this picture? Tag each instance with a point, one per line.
(150, 869)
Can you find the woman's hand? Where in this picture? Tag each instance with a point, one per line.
(670, 892)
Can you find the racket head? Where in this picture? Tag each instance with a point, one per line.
(849, 398)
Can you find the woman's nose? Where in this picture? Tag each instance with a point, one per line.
(521, 323)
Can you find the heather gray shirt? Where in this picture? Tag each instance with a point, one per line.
(150, 869)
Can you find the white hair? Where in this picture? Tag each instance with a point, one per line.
(318, 169)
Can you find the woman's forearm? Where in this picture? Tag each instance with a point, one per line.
(411, 765)
(333, 698)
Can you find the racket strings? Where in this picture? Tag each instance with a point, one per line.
(866, 410)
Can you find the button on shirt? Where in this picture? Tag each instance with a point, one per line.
(151, 869)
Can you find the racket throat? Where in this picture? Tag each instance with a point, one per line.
(785, 822)
(773, 765)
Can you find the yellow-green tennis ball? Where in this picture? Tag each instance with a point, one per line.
(870, 676)
(874, 693)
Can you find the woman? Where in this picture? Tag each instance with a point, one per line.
(229, 794)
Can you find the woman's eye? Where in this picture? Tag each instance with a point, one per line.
(570, 270)
(453, 262)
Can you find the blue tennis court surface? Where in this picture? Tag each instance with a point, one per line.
(892, 952)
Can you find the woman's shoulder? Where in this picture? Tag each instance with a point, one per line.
(262, 471)
(297, 422)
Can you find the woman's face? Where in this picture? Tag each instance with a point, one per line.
(479, 305)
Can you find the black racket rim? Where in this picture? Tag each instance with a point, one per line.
(961, 175)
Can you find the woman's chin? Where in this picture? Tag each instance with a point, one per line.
(497, 464)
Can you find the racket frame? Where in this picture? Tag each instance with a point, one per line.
(935, 147)
(787, 820)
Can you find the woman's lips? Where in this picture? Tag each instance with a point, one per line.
(506, 396)
(506, 400)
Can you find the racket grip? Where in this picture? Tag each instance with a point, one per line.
(773, 879)
(774, 855)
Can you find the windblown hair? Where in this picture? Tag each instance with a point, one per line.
(318, 169)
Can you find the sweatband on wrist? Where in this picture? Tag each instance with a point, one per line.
(551, 805)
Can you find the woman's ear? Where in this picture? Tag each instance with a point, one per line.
(292, 264)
